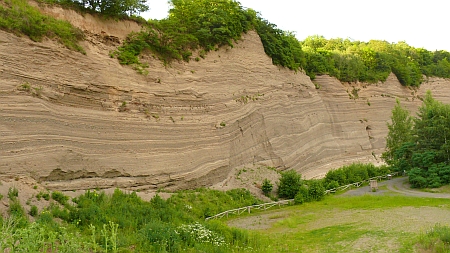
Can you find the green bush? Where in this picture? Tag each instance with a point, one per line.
(13, 193)
(191, 25)
(422, 148)
(353, 173)
(15, 208)
(266, 187)
(33, 211)
(316, 191)
(60, 197)
(289, 184)
(302, 195)
(44, 195)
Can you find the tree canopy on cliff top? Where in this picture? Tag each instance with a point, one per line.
(208, 24)
(204, 25)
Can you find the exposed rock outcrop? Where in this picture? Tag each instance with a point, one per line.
(78, 121)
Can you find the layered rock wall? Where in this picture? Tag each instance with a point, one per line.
(76, 121)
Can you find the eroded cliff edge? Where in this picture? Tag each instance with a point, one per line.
(76, 121)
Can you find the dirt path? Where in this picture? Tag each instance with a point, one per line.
(398, 186)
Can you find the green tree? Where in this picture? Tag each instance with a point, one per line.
(289, 185)
(266, 187)
(400, 132)
(114, 7)
(316, 191)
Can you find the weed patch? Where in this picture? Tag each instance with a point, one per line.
(18, 17)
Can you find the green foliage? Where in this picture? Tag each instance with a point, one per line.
(60, 197)
(160, 237)
(266, 187)
(212, 23)
(204, 25)
(191, 25)
(311, 190)
(422, 149)
(107, 8)
(15, 209)
(372, 61)
(18, 17)
(33, 211)
(302, 195)
(204, 203)
(289, 184)
(13, 193)
(284, 49)
(353, 173)
(38, 237)
(436, 240)
(316, 191)
(400, 132)
(123, 222)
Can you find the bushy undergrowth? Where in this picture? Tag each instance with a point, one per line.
(123, 222)
(292, 186)
(353, 173)
(203, 203)
(18, 17)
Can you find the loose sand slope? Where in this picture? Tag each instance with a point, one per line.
(78, 121)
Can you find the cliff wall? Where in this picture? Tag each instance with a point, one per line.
(76, 121)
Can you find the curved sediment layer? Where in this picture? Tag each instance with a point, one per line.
(76, 121)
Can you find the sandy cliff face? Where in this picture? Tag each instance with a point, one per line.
(78, 121)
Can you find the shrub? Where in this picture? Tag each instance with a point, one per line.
(332, 185)
(266, 187)
(289, 185)
(13, 193)
(15, 208)
(316, 191)
(60, 197)
(302, 195)
(33, 211)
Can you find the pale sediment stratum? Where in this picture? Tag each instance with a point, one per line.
(75, 121)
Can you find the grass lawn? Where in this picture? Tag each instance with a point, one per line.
(349, 224)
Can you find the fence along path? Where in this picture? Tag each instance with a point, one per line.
(266, 206)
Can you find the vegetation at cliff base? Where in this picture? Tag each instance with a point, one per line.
(123, 222)
(421, 145)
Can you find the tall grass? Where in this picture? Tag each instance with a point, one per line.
(123, 222)
(437, 239)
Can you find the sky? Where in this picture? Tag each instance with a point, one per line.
(421, 24)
